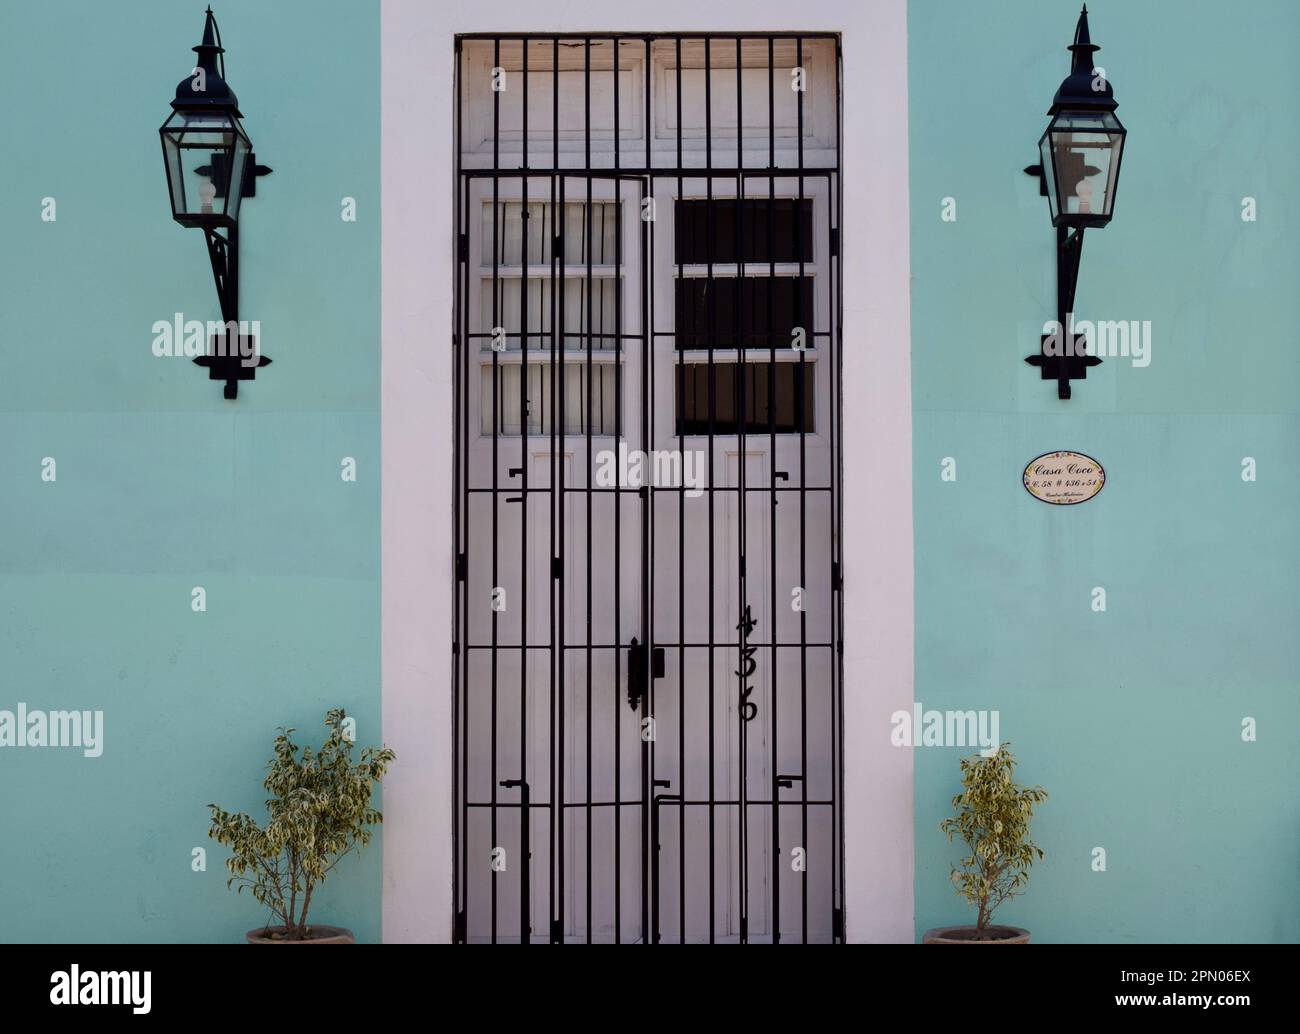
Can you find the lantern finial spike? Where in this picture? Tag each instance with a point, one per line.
(211, 88)
(210, 48)
(1082, 48)
(1082, 37)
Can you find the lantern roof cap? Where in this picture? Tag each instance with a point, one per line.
(1084, 87)
(206, 86)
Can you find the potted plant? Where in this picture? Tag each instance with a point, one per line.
(992, 817)
(319, 811)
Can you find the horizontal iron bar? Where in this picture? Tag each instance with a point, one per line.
(534, 805)
(572, 645)
(570, 489)
(757, 348)
(580, 37)
(625, 172)
(545, 335)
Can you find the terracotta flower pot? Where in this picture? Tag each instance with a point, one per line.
(971, 935)
(315, 935)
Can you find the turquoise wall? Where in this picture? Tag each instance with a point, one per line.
(1130, 718)
(162, 485)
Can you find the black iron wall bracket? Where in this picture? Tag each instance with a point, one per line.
(252, 172)
(228, 360)
(248, 184)
(1068, 359)
(229, 363)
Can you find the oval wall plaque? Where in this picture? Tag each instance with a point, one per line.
(1064, 478)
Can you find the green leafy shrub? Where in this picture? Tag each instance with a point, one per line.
(319, 811)
(992, 817)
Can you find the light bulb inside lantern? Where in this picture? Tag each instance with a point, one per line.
(206, 193)
(1084, 193)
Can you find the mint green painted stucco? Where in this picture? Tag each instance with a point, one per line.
(163, 486)
(1130, 718)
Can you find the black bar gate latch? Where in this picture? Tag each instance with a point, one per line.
(636, 670)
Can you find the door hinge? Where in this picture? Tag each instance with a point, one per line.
(462, 247)
(837, 576)
(835, 241)
(837, 924)
(557, 932)
(462, 563)
(557, 567)
(458, 927)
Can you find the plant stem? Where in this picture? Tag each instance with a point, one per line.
(306, 904)
(293, 893)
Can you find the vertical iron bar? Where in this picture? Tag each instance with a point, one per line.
(803, 495)
(557, 513)
(525, 816)
(618, 523)
(771, 419)
(647, 510)
(459, 632)
(680, 410)
(587, 343)
(465, 580)
(562, 246)
(742, 530)
(711, 223)
(496, 436)
(556, 816)
(836, 402)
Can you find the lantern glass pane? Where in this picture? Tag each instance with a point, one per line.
(1085, 148)
(206, 153)
(1049, 172)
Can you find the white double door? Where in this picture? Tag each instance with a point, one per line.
(560, 582)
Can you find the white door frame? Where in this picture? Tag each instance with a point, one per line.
(417, 394)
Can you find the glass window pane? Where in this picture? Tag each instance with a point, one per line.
(502, 228)
(770, 230)
(750, 312)
(589, 398)
(775, 398)
(503, 307)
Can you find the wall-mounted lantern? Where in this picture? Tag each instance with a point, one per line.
(1079, 171)
(211, 168)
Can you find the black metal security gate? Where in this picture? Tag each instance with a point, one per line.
(649, 682)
